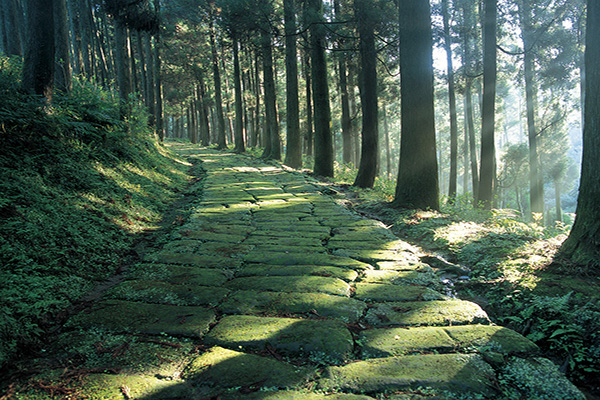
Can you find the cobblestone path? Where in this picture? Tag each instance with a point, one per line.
(271, 290)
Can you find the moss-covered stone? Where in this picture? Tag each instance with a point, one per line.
(165, 293)
(112, 387)
(457, 372)
(305, 259)
(277, 303)
(178, 274)
(400, 341)
(398, 277)
(346, 274)
(286, 241)
(376, 255)
(302, 284)
(227, 368)
(293, 248)
(208, 236)
(329, 340)
(441, 313)
(182, 246)
(399, 292)
(223, 249)
(338, 242)
(404, 265)
(232, 227)
(496, 338)
(122, 316)
(197, 260)
(295, 395)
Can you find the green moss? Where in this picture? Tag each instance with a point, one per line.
(228, 368)
(165, 293)
(420, 277)
(400, 292)
(327, 339)
(451, 312)
(177, 274)
(502, 339)
(399, 341)
(122, 316)
(348, 275)
(302, 284)
(455, 372)
(197, 260)
(305, 259)
(276, 303)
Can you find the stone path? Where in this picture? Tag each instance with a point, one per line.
(271, 290)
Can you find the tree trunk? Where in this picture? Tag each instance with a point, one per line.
(62, 73)
(14, 45)
(143, 74)
(487, 173)
(237, 80)
(38, 65)
(293, 152)
(158, 115)
(85, 30)
(122, 60)
(368, 168)
(452, 103)
(320, 87)
(417, 184)
(309, 135)
(220, 131)
(150, 100)
(388, 150)
(536, 184)
(583, 244)
(257, 86)
(272, 144)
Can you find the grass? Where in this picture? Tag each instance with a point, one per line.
(77, 184)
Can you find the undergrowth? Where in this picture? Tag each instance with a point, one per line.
(76, 184)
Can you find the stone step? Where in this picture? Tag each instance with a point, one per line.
(398, 292)
(299, 304)
(288, 284)
(320, 339)
(346, 274)
(426, 313)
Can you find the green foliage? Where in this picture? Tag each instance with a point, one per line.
(75, 183)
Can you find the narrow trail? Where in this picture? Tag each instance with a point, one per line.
(271, 290)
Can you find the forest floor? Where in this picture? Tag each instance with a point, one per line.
(268, 287)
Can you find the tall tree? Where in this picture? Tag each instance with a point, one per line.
(158, 113)
(583, 244)
(273, 144)
(14, 45)
(240, 147)
(220, 131)
(38, 64)
(487, 173)
(323, 165)
(367, 170)
(452, 104)
(417, 184)
(293, 151)
(536, 183)
(62, 73)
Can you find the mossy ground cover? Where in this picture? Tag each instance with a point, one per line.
(77, 185)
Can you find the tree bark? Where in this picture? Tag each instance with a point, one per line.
(487, 175)
(309, 135)
(536, 183)
(293, 151)
(62, 73)
(452, 104)
(38, 64)
(272, 142)
(417, 184)
(149, 57)
(583, 244)
(220, 131)
(367, 170)
(240, 147)
(158, 114)
(388, 150)
(323, 165)
(122, 60)
(14, 45)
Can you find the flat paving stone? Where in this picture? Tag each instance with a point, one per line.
(228, 368)
(165, 293)
(399, 277)
(454, 372)
(322, 339)
(425, 313)
(367, 244)
(278, 303)
(231, 228)
(122, 316)
(385, 342)
(405, 265)
(197, 260)
(346, 274)
(283, 248)
(376, 255)
(287, 284)
(296, 395)
(502, 340)
(178, 274)
(286, 241)
(290, 232)
(398, 292)
(209, 236)
(265, 257)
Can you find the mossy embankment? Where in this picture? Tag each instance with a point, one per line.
(78, 184)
